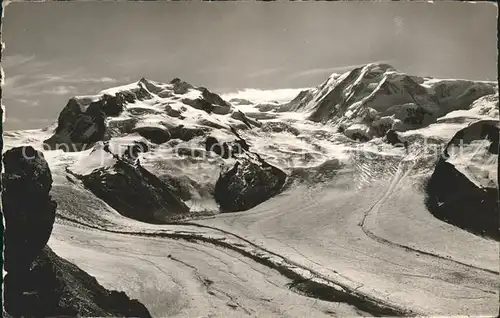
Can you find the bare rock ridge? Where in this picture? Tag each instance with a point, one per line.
(126, 186)
(463, 189)
(368, 101)
(249, 182)
(38, 283)
(81, 125)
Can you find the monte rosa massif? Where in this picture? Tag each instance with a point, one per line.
(372, 194)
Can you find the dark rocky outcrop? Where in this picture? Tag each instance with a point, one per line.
(226, 149)
(150, 86)
(38, 283)
(76, 129)
(55, 287)
(393, 139)
(454, 197)
(219, 105)
(179, 86)
(179, 186)
(156, 135)
(122, 126)
(28, 208)
(172, 112)
(187, 133)
(160, 135)
(239, 115)
(82, 122)
(112, 106)
(140, 93)
(134, 192)
(199, 103)
(132, 152)
(209, 102)
(212, 97)
(248, 183)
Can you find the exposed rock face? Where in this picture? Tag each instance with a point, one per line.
(156, 135)
(38, 283)
(179, 86)
(226, 149)
(154, 110)
(209, 102)
(28, 208)
(132, 152)
(463, 189)
(393, 139)
(139, 93)
(82, 122)
(249, 183)
(187, 133)
(239, 115)
(79, 127)
(131, 190)
(55, 287)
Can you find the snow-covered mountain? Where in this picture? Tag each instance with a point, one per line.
(368, 101)
(343, 180)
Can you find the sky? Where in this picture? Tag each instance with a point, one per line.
(56, 50)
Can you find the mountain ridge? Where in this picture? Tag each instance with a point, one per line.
(343, 195)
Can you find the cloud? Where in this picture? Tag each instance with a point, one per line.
(264, 96)
(264, 72)
(105, 80)
(28, 101)
(26, 86)
(75, 78)
(58, 90)
(16, 60)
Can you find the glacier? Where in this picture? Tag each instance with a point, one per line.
(360, 225)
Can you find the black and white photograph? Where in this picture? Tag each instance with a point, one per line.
(250, 159)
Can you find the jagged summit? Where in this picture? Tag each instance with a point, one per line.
(155, 110)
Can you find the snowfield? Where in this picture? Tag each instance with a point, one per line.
(349, 235)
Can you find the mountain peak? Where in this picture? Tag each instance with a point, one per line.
(376, 97)
(146, 107)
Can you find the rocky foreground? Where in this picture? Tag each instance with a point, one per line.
(39, 283)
